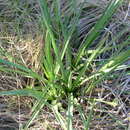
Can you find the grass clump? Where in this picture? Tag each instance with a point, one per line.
(66, 74)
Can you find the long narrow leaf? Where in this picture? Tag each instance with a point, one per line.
(22, 92)
(94, 33)
(59, 117)
(14, 65)
(88, 62)
(70, 112)
(37, 109)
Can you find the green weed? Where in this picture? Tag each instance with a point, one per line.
(66, 75)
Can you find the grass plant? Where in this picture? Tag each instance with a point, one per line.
(67, 75)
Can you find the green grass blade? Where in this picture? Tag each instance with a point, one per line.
(14, 65)
(48, 58)
(47, 21)
(110, 65)
(70, 112)
(37, 109)
(115, 62)
(59, 117)
(86, 121)
(118, 36)
(90, 59)
(22, 92)
(82, 116)
(38, 106)
(87, 125)
(95, 31)
(22, 70)
(108, 68)
(7, 70)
